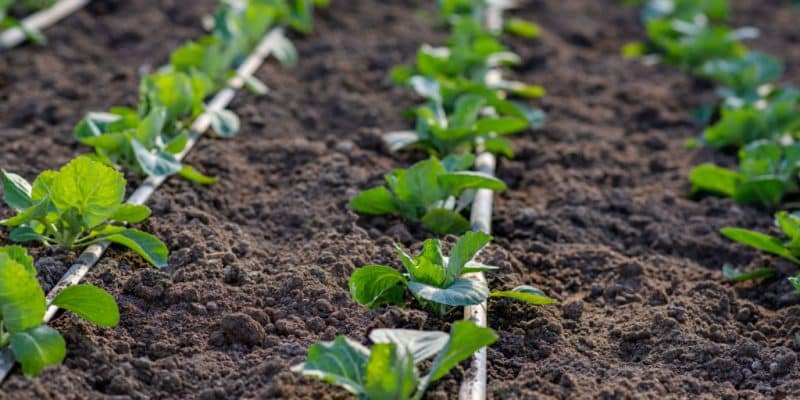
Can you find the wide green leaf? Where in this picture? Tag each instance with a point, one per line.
(389, 374)
(22, 302)
(466, 248)
(522, 28)
(132, 213)
(760, 241)
(376, 285)
(420, 344)
(90, 302)
(443, 222)
(16, 191)
(714, 179)
(500, 125)
(155, 162)
(341, 362)
(456, 182)
(93, 189)
(37, 348)
(144, 244)
(20, 255)
(462, 292)
(375, 201)
(465, 339)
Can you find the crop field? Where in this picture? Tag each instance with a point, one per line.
(399, 199)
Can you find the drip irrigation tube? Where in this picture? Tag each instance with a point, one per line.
(92, 254)
(38, 21)
(474, 385)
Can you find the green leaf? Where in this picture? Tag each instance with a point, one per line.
(16, 191)
(22, 302)
(714, 179)
(192, 174)
(462, 292)
(90, 302)
(465, 339)
(178, 143)
(376, 285)
(144, 244)
(37, 348)
(225, 123)
(522, 28)
(466, 248)
(90, 187)
(499, 145)
(420, 344)
(789, 224)
(419, 184)
(458, 162)
(24, 234)
(467, 109)
(151, 126)
(737, 276)
(36, 211)
(131, 213)
(634, 50)
(341, 362)
(20, 255)
(390, 373)
(155, 163)
(500, 125)
(375, 201)
(456, 182)
(443, 222)
(760, 241)
(527, 294)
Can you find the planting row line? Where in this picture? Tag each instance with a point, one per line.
(47, 12)
(466, 111)
(755, 115)
(81, 205)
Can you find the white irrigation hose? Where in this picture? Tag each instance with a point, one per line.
(38, 21)
(92, 254)
(474, 385)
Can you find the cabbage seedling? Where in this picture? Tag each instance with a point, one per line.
(438, 282)
(788, 248)
(23, 306)
(432, 191)
(76, 206)
(389, 369)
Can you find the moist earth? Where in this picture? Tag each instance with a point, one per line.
(597, 215)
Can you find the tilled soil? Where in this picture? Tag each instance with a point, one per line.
(597, 215)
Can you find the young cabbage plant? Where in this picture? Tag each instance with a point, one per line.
(438, 282)
(688, 33)
(775, 117)
(744, 80)
(389, 369)
(76, 206)
(23, 306)
(788, 248)
(767, 172)
(432, 191)
(462, 109)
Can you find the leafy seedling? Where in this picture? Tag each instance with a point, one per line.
(438, 282)
(79, 205)
(389, 369)
(432, 191)
(788, 248)
(23, 306)
(735, 275)
(767, 172)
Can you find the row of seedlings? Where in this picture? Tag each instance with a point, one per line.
(81, 205)
(43, 13)
(755, 116)
(466, 112)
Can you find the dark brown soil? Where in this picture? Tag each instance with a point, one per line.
(597, 215)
